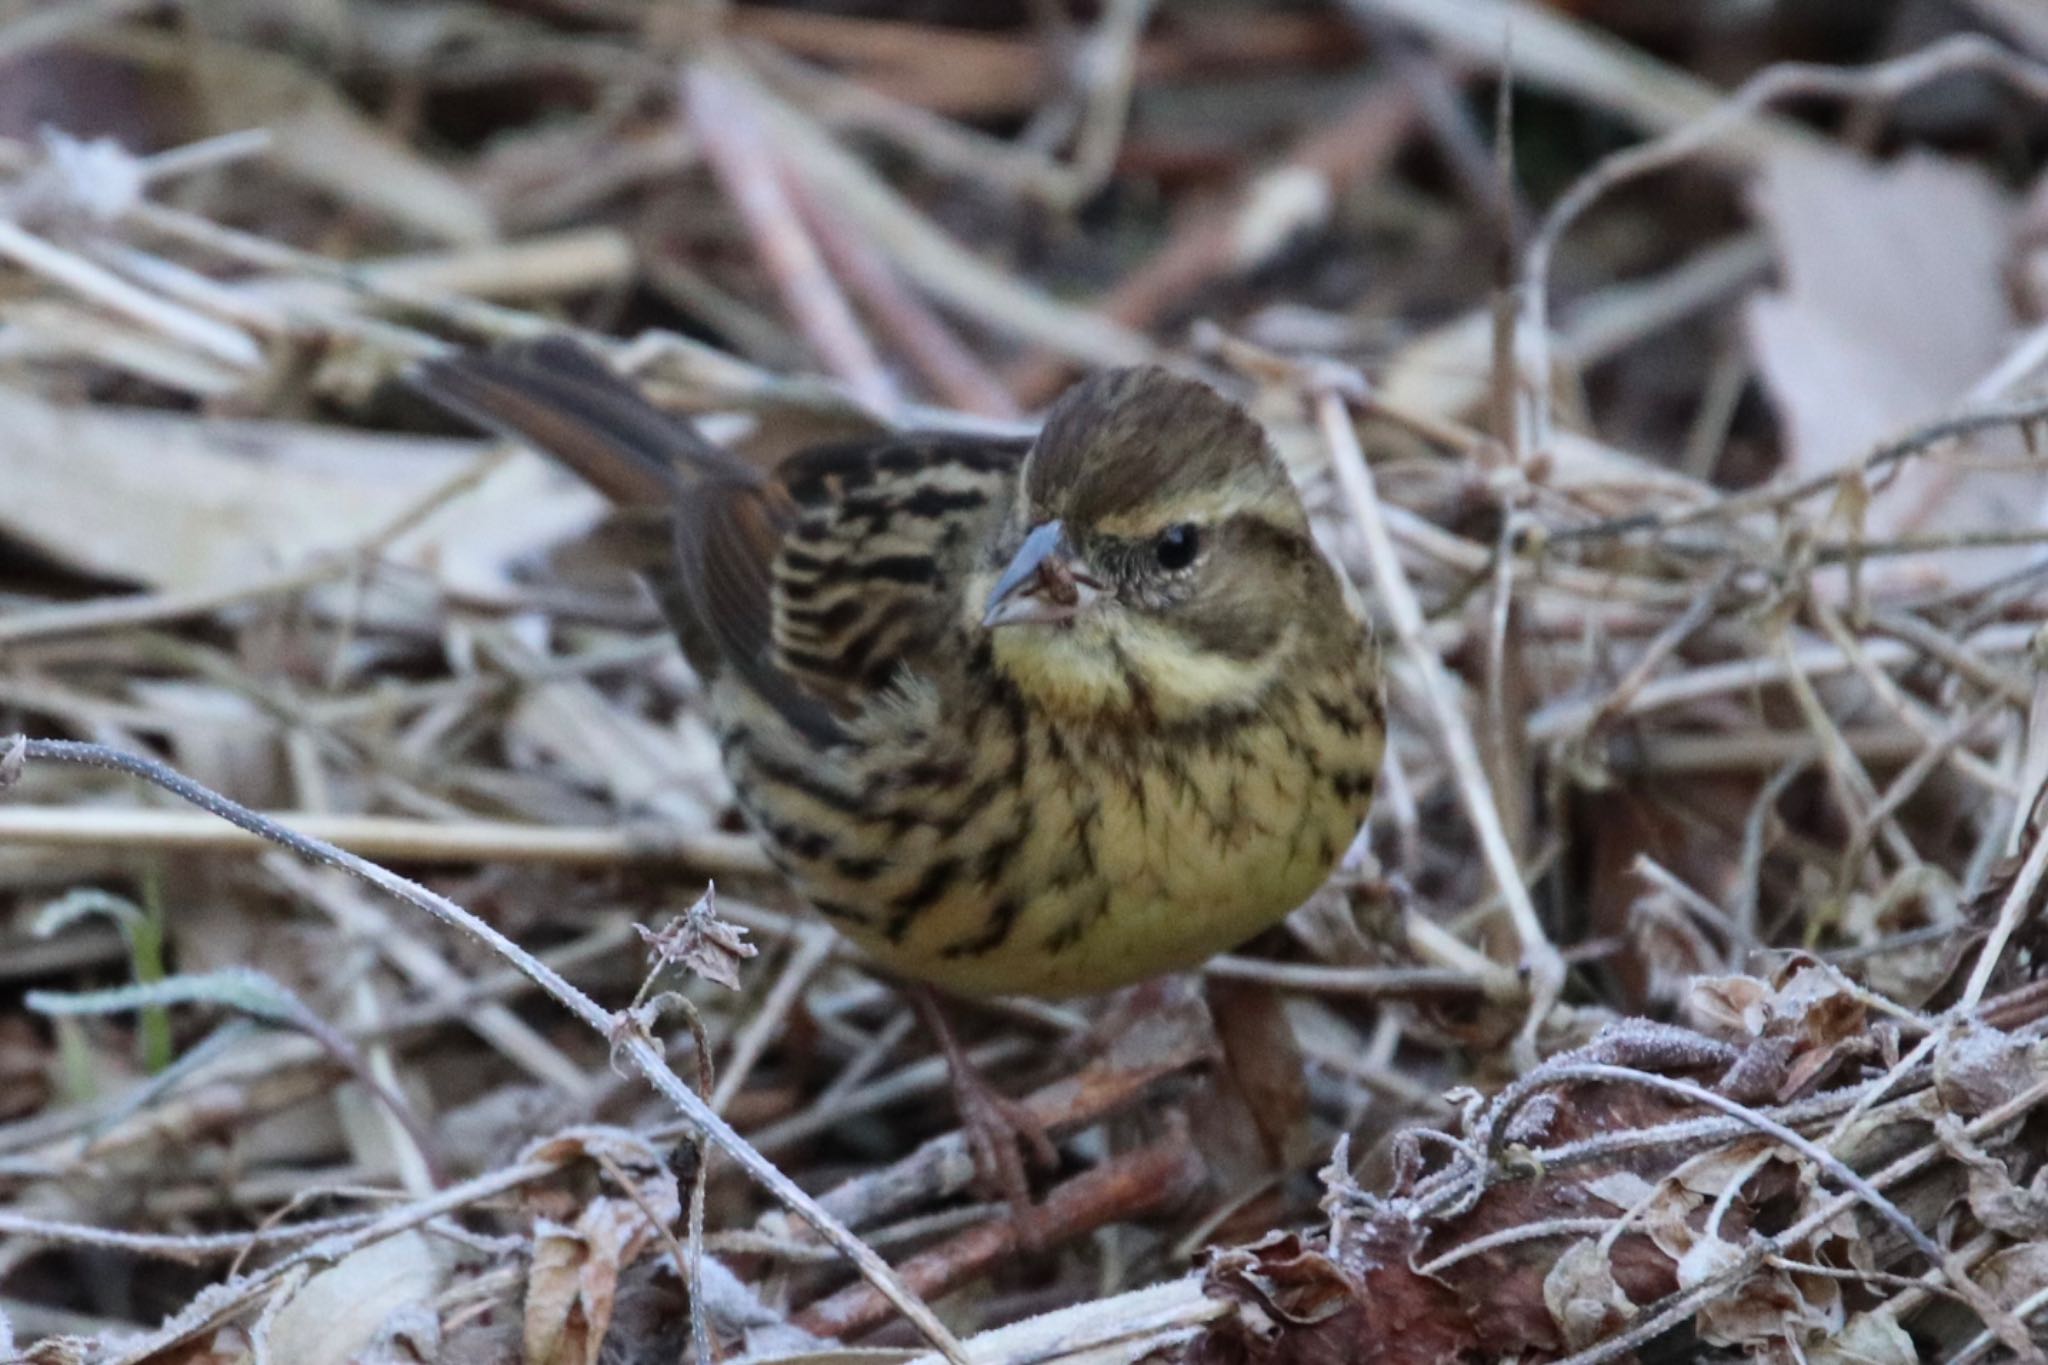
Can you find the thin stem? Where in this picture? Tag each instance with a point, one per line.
(634, 1047)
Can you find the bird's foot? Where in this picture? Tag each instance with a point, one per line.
(1007, 1142)
(1003, 1136)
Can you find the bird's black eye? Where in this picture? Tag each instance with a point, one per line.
(1176, 546)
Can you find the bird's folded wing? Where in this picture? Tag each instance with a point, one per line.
(866, 582)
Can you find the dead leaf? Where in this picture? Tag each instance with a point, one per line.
(2016, 1274)
(568, 1302)
(701, 943)
(1867, 1339)
(1623, 1189)
(2000, 1202)
(1712, 1173)
(1894, 304)
(341, 1312)
(1584, 1298)
(572, 1282)
(2004, 1206)
(221, 502)
(1291, 1281)
(1706, 1259)
(1818, 1005)
(215, 504)
(1731, 1007)
(1771, 1306)
(1977, 1068)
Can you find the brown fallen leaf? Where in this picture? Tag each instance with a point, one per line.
(572, 1281)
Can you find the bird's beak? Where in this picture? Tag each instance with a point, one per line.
(1043, 582)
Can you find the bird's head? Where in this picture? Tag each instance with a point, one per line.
(1158, 561)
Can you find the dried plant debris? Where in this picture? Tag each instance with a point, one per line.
(1682, 999)
(1895, 303)
(701, 943)
(1621, 1198)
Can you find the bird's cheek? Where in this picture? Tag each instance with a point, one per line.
(1185, 678)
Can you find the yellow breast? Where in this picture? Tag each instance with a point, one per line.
(1120, 861)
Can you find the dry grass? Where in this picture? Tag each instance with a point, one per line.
(1680, 996)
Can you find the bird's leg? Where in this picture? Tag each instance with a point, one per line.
(1001, 1133)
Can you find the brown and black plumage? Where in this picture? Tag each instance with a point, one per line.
(1036, 717)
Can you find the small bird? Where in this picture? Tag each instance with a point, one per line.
(1039, 717)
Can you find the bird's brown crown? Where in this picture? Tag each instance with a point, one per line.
(1131, 445)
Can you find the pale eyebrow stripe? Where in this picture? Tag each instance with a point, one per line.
(1211, 507)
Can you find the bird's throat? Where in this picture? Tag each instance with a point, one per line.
(1097, 671)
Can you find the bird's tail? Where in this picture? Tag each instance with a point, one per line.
(726, 517)
(557, 396)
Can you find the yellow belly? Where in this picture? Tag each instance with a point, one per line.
(1153, 868)
(1132, 921)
